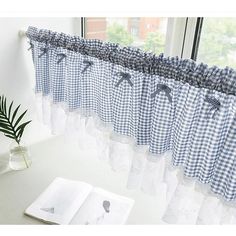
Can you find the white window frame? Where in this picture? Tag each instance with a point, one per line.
(180, 37)
(175, 36)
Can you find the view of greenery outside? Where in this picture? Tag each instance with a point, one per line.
(218, 42)
(154, 42)
(118, 34)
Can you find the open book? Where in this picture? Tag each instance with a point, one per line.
(73, 202)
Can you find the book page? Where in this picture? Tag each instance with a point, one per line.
(102, 207)
(60, 201)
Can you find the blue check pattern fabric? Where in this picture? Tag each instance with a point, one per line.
(206, 135)
(145, 111)
(164, 97)
(41, 62)
(186, 106)
(165, 103)
(223, 181)
(126, 98)
(105, 92)
(75, 94)
(57, 74)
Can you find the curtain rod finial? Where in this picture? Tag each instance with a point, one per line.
(22, 33)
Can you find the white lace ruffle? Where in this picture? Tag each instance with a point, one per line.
(186, 201)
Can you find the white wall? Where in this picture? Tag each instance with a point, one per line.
(17, 72)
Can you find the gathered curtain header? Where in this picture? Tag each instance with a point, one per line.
(184, 70)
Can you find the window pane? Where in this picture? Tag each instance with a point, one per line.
(218, 42)
(145, 32)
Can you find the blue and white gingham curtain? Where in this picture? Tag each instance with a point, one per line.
(172, 112)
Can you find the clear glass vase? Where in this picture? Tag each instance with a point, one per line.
(19, 156)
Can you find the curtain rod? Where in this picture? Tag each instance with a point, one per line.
(22, 33)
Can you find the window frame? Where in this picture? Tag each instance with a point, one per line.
(190, 35)
(175, 36)
(82, 27)
(197, 37)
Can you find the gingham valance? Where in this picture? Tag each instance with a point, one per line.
(165, 104)
(185, 70)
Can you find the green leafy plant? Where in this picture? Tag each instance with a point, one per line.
(10, 125)
(155, 42)
(218, 42)
(118, 34)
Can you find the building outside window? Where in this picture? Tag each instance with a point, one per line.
(148, 33)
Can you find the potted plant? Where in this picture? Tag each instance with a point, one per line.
(13, 128)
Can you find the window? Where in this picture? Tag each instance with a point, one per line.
(208, 40)
(145, 32)
(217, 45)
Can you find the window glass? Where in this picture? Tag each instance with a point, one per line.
(218, 42)
(147, 33)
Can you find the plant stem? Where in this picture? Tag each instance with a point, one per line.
(22, 152)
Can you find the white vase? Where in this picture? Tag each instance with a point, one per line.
(19, 156)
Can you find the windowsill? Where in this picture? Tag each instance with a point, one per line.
(53, 158)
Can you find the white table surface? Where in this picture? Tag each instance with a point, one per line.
(54, 158)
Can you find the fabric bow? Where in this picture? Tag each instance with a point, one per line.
(62, 56)
(87, 65)
(44, 50)
(165, 89)
(215, 105)
(124, 76)
(31, 45)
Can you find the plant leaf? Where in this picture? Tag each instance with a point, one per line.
(14, 114)
(20, 130)
(5, 105)
(7, 125)
(9, 110)
(1, 104)
(20, 135)
(2, 117)
(19, 119)
(9, 136)
(6, 131)
(23, 125)
(3, 122)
